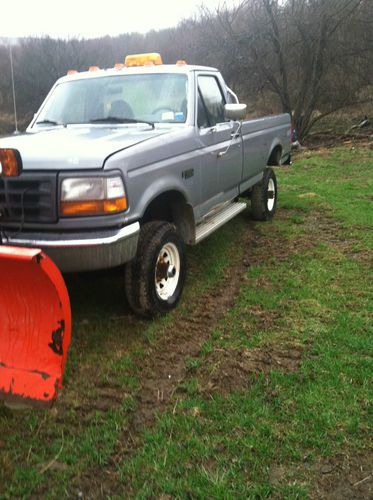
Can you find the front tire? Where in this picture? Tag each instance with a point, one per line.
(264, 197)
(154, 280)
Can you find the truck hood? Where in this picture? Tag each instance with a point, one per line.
(76, 147)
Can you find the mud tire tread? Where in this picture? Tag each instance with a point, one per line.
(259, 197)
(139, 273)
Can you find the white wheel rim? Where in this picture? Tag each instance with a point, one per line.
(271, 197)
(167, 271)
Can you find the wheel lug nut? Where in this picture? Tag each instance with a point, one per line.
(171, 271)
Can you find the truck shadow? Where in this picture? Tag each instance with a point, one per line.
(99, 293)
(101, 318)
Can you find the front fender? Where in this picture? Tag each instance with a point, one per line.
(159, 187)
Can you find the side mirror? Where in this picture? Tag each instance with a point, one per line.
(235, 112)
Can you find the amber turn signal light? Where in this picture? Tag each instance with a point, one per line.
(10, 163)
(93, 207)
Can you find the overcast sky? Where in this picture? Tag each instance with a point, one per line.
(90, 18)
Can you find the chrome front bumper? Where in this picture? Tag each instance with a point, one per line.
(87, 251)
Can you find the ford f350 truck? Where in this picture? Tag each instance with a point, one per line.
(129, 164)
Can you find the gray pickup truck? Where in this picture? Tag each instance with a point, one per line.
(129, 164)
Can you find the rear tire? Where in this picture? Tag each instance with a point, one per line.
(155, 278)
(264, 197)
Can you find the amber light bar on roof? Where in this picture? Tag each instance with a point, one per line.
(151, 59)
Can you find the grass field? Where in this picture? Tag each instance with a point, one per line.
(259, 385)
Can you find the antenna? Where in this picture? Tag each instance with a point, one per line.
(13, 89)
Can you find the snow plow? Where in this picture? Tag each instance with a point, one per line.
(35, 327)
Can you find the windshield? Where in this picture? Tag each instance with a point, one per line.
(118, 99)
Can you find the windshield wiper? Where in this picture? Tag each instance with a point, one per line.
(48, 122)
(116, 119)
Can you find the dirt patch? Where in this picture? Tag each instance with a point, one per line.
(165, 368)
(330, 231)
(164, 365)
(316, 141)
(342, 477)
(227, 370)
(259, 317)
(345, 477)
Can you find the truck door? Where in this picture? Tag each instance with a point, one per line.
(221, 167)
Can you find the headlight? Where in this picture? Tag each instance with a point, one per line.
(92, 196)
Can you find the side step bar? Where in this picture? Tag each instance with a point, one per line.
(217, 220)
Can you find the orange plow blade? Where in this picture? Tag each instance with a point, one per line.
(35, 327)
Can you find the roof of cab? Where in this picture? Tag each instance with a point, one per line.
(136, 70)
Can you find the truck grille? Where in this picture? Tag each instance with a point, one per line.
(28, 198)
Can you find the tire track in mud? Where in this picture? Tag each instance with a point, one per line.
(164, 366)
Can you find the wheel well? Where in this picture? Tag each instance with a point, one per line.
(171, 206)
(275, 156)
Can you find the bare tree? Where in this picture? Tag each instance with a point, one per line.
(305, 57)
(297, 50)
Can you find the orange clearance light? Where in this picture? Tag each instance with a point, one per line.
(143, 60)
(119, 66)
(181, 62)
(10, 163)
(93, 68)
(72, 72)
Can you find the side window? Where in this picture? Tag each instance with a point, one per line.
(212, 98)
(203, 121)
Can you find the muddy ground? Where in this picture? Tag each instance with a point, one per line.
(164, 368)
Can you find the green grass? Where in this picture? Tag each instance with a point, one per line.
(308, 288)
(320, 299)
(107, 349)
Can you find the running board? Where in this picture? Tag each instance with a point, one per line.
(217, 220)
